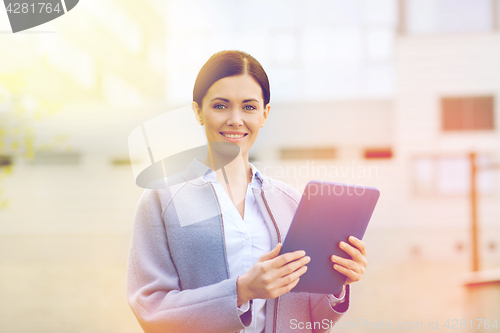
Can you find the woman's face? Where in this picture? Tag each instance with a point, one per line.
(233, 111)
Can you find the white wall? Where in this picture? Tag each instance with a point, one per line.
(429, 67)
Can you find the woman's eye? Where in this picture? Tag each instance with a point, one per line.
(219, 106)
(249, 107)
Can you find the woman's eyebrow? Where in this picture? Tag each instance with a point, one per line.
(227, 101)
(222, 99)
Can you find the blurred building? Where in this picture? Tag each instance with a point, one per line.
(446, 106)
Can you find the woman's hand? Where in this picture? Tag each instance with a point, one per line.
(355, 268)
(272, 275)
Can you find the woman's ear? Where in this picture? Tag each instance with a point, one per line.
(266, 114)
(197, 112)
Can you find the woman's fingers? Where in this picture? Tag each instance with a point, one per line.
(340, 260)
(347, 263)
(352, 276)
(355, 254)
(273, 284)
(273, 274)
(284, 270)
(286, 264)
(292, 277)
(293, 266)
(359, 244)
(353, 268)
(271, 254)
(285, 258)
(288, 287)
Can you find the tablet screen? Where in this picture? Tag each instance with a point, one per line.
(327, 214)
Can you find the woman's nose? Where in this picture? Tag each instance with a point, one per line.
(235, 118)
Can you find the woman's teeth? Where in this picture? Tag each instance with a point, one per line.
(234, 136)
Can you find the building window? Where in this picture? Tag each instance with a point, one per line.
(308, 153)
(448, 16)
(55, 158)
(449, 175)
(378, 153)
(467, 113)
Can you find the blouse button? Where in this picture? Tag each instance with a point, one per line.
(246, 237)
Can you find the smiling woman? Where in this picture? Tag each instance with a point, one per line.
(221, 271)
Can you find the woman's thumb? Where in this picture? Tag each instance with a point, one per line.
(272, 254)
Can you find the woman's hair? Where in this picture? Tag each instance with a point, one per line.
(229, 63)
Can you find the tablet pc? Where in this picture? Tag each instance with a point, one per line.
(327, 214)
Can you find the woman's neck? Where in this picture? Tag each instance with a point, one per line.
(237, 171)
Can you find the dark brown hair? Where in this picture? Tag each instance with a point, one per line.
(229, 63)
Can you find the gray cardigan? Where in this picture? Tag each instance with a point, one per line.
(178, 276)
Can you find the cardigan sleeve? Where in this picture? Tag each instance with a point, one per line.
(321, 309)
(153, 291)
(337, 300)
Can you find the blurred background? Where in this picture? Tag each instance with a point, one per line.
(397, 94)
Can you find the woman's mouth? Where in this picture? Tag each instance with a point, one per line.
(233, 137)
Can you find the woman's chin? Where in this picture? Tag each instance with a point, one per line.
(225, 150)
